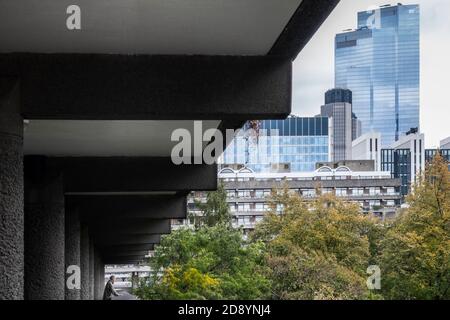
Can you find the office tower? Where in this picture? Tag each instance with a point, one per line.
(368, 147)
(380, 63)
(405, 159)
(291, 145)
(338, 107)
(356, 127)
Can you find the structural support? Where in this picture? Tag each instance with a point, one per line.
(99, 276)
(44, 231)
(11, 193)
(152, 87)
(134, 174)
(91, 269)
(84, 262)
(72, 253)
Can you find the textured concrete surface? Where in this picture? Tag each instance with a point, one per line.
(176, 87)
(72, 247)
(84, 262)
(91, 269)
(99, 280)
(44, 231)
(11, 196)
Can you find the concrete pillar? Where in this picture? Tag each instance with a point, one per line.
(91, 269)
(72, 252)
(84, 262)
(44, 231)
(99, 276)
(11, 193)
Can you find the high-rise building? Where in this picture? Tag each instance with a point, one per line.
(338, 108)
(291, 145)
(380, 63)
(356, 127)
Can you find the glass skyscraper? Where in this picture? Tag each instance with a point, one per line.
(291, 145)
(380, 63)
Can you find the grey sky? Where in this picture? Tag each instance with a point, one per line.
(314, 67)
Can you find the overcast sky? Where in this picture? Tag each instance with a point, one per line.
(314, 67)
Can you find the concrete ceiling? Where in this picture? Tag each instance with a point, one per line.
(206, 27)
(105, 138)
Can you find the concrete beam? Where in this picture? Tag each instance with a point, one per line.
(128, 239)
(130, 226)
(111, 253)
(127, 87)
(134, 174)
(102, 208)
(124, 260)
(129, 247)
(11, 192)
(308, 18)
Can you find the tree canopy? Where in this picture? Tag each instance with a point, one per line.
(415, 252)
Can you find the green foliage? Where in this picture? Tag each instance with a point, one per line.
(215, 210)
(211, 262)
(317, 250)
(415, 253)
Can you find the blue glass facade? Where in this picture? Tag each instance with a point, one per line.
(297, 142)
(380, 64)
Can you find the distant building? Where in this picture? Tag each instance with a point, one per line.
(368, 147)
(291, 145)
(445, 144)
(405, 159)
(248, 192)
(352, 165)
(356, 127)
(380, 63)
(444, 150)
(338, 108)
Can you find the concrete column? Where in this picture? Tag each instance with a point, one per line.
(11, 193)
(99, 276)
(72, 245)
(44, 231)
(91, 269)
(84, 262)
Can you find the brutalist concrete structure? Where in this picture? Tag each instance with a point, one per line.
(86, 117)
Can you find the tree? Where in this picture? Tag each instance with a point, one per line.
(215, 210)
(318, 249)
(415, 254)
(209, 262)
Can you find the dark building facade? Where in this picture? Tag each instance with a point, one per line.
(398, 162)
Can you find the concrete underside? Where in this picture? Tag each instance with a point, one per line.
(110, 203)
